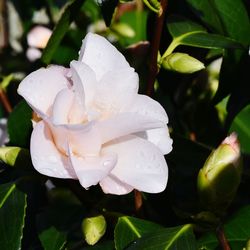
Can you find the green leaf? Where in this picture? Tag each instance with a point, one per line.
(108, 8)
(129, 228)
(52, 239)
(186, 32)
(5, 192)
(181, 237)
(19, 125)
(206, 11)
(240, 125)
(12, 214)
(69, 14)
(237, 231)
(234, 18)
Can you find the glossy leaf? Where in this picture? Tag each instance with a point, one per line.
(60, 29)
(129, 228)
(240, 125)
(5, 192)
(19, 125)
(206, 11)
(234, 18)
(12, 213)
(186, 32)
(237, 231)
(175, 238)
(52, 239)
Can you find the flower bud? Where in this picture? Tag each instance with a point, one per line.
(14, 155)
(123, 29)
(182, 63)
(220, 176)
(93, 229)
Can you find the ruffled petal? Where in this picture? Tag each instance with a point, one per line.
(125, 124)
(115, 90)
(92, 169)
(83, 139)
(101, 55)
(112, 185)
(159, 137)
(148, 107)
(40, 88)
(140, 164)
(85, 79)
(62, 106)
(45, 157)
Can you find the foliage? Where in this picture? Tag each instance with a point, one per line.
(204, 105)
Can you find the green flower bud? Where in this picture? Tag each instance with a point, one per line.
(182, 63)
(123, 29)
(220, 176)
(93, 229)
(14, 156)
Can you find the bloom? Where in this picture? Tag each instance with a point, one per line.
(37, 39)
(94, 125)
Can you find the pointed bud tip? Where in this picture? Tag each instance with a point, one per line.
(232, 140)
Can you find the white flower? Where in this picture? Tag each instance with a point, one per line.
(94, 125)
(37, 39)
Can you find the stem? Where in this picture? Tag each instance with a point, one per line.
(5, 101)
(222, 238)
(3, 24)
(155, 44)
(138, 202)
(170, 48)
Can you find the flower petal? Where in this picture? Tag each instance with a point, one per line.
(125, 124)
(124, 84)
(84, 76)
(140, 164)
(101, 55)
(159, 137)
(112, 185)
(40, 88)
(92, 169)
(62, 106)
(83, 139)
(148, 107)
(45, 157)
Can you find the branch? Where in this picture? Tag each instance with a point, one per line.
(5, 101)
(222, 238)
(155, 44)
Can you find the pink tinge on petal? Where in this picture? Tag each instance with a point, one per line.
(62, 106)
(40, 88)
(38, 37)
(83, 139)
(140, 164)
(112, 185)
(45, 156)
(101, 55)
(91, 170)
